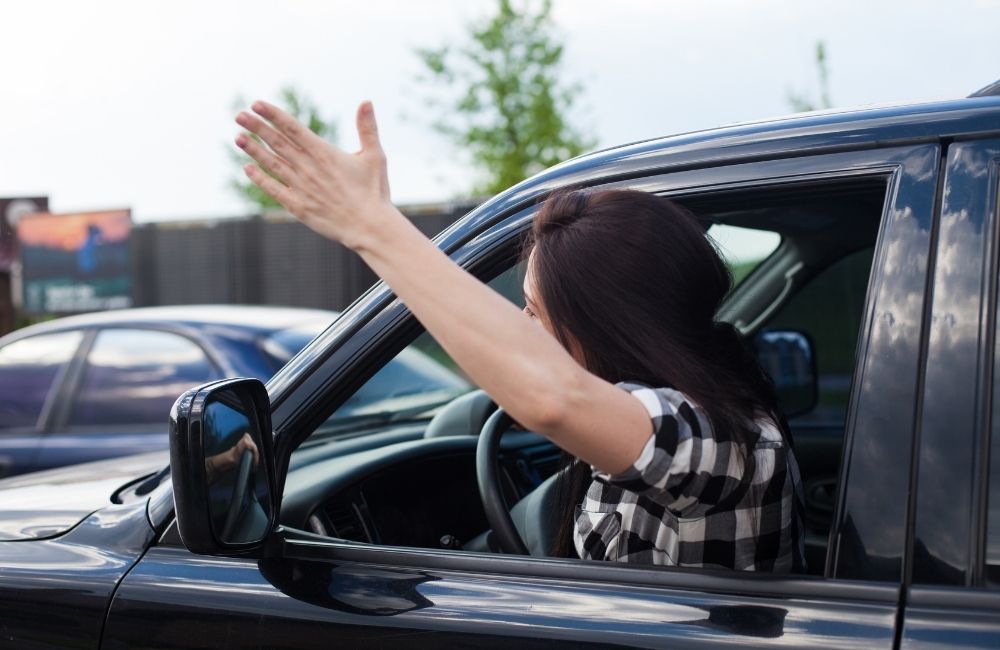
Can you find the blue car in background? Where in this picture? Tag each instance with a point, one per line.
(99, 385)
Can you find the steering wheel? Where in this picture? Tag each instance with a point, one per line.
(488, 476)
(236, 501)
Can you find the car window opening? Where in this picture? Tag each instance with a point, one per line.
(763, 232)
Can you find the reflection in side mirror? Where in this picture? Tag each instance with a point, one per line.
(232, 440)
(788, 357)
(222, 466)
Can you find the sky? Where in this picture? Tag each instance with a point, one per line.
(124, 104)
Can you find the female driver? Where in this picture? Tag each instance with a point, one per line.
(616, 358)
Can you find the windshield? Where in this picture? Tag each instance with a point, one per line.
(408, 386)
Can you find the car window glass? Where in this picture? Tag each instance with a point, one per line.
(28, 368)
(743, 248)
(416, 382)
(829, 309)
(133, 376)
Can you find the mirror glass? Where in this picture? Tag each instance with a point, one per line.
(787, 356)
(239, 502)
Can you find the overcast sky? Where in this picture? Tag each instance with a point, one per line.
(110, 104)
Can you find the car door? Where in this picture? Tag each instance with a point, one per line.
(316, 591)
(953, 590)
(120, 393)
(32, 372)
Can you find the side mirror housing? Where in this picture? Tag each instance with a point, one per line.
(790, 360)
(222, 467)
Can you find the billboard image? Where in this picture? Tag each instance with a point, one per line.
(11, 211)
(75, 262)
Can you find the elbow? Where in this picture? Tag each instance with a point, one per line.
(545, 416)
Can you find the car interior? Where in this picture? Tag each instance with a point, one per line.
(410, 479)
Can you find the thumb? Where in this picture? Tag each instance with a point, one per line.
(367, 127)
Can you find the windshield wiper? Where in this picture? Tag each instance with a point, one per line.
(365, 421)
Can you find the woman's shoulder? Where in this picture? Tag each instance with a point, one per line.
(662, 401)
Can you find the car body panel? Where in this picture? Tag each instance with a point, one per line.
(172, 596)
(47, 504)
(56, 592)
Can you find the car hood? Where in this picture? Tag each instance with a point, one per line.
(45, 504)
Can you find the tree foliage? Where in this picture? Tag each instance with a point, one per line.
(801, 102)
(302, 109)
(509, 110)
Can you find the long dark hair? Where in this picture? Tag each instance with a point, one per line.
(632, 280)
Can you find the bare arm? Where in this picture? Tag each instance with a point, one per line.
(345, 197)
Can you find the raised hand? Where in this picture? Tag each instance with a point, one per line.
(340, 195)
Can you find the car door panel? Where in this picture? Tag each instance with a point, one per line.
(177, 600)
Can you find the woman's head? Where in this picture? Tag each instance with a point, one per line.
(628, 282)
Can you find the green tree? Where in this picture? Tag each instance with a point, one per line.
(509, 113)
(304, 110)
(799, 101)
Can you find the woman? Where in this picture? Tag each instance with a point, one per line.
(616, 357)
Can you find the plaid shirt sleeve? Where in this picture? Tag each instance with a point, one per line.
(685, 466)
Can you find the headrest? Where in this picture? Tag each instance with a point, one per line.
(463, 416)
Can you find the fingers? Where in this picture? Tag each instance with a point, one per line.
(278, 142)
(269, 161)
(368, 128)
(275, 189)
(291, 128)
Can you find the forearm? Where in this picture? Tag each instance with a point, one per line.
(503, 351)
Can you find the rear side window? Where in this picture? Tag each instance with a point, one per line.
(743, 248)
(133, 376)
(829, 309)
(28, 369)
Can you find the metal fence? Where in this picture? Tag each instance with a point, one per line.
(261, 260)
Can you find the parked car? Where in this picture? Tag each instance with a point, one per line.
(876, 308)
(100, 385)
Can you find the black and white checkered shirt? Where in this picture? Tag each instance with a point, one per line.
(687, 501)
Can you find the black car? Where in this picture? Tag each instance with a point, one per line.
(875, 308)
(99, 385)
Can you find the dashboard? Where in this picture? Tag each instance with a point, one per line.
(418, 492)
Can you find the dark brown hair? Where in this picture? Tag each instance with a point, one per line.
(632, 279)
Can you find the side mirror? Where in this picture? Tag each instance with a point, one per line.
(788, 357)
(222, 466)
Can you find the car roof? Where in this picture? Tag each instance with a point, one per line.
(248, 317)
(817, 132)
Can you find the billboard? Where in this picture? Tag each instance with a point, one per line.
(11, 211)
(75, 262)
